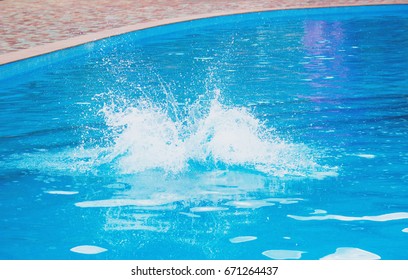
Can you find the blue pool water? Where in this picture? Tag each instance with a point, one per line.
(278, 135)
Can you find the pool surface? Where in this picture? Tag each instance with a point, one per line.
(274, 135)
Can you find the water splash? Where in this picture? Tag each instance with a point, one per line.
(158, 133)
(207, 135)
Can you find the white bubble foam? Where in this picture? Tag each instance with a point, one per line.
(318, 212)
(345, 253)
(367, 156)
(204, 58)
(62, 192)
(379, 218)
(117, 186)
(320, 175)
(88, 250)
(405, 230)
(208, 209)
(253, 204)
(191, 215)
(284, 200)
(140, 222)
(121, 202)
(241, 239)
(283, 254)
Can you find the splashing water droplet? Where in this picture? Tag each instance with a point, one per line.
(208, 136)
(173, 137)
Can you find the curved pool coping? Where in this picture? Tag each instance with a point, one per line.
(83, 39)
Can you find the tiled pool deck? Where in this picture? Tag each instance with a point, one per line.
(32, 27)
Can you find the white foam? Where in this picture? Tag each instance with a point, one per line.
(117, 186)
(204, 58)
(241, 239)
(345, 253)
(320, 175)
(120, 203)
(208, 209)
(121, 226)
(284, 200)
(62, 192)
(88, 250)
(405, 230)
(367, 156)
(379, 218)
(283, 254)
(143, 222)
(253, 204)
(149, 140)
(318, 212)
(191, 215)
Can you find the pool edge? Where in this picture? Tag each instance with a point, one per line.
(15, 56)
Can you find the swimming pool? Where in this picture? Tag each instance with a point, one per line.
(276, 135)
